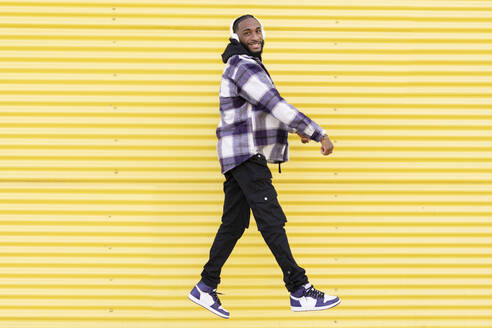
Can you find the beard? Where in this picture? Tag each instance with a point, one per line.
(254, 53)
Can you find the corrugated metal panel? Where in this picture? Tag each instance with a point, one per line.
(111, 192)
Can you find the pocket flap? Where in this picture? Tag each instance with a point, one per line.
(265, 196)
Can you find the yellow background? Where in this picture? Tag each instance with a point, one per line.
(111, 192)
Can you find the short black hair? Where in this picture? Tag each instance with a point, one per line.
(239, 20)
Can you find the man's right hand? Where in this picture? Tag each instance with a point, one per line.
(326, 146)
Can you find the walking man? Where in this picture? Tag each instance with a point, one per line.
(255, 122)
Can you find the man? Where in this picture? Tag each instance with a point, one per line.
(255, 122)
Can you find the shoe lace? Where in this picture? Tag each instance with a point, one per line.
(313, 292)
(214, 293)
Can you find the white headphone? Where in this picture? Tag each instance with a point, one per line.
(236, 37)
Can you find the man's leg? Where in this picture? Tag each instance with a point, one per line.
(235, 219)
(276, 239)
(254, 178)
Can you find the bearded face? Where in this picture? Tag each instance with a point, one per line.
(250, 35)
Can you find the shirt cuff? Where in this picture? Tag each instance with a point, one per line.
(320, 135)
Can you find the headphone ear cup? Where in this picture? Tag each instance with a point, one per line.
(233, 35)
(262, 29)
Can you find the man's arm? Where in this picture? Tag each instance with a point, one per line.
(254, 86)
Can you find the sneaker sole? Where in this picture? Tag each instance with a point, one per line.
(196, 301)
(318, 308)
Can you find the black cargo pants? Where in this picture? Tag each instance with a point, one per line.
(249, 186)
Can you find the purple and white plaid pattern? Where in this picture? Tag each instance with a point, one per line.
(254, 117)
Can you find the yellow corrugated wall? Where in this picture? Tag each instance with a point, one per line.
(111, 192)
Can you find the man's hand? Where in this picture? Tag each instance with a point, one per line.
(326, 146)
(304, 139)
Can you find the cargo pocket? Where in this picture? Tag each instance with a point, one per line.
(266, 209)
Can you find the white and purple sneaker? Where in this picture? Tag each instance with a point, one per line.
(307, 298)
(207, 297)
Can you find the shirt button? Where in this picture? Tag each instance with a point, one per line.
(266, 198)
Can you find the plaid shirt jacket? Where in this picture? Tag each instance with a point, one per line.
(254, 117)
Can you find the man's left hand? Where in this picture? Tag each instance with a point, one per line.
(304, 139)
